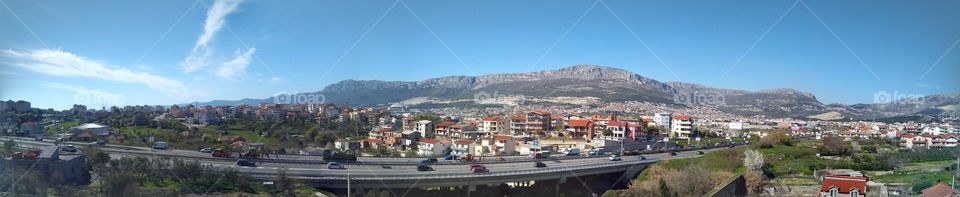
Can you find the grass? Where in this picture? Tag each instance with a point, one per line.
(706, 140)
(51, 130)
(796, 181)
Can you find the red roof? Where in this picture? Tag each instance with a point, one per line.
(580, 123)
(844, 184)
(909, 135)
(492, 118)
(616, 123)
(464, 142)
(518, 117)
(939, 190)
(501, 137)
(429, 140)
(681, 117)
(445, 124)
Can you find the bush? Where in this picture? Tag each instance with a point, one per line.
(774, 138)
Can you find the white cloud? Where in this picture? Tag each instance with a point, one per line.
(60, 63)
(216, 18)
(91, 97)
(237, 66)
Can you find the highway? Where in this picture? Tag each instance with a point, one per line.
(398, 172)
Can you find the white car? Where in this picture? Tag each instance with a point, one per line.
(614, 157)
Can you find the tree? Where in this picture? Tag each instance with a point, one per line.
(607, 132)
(753, 159)
(283, 183)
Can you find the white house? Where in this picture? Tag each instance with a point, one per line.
(432, 147)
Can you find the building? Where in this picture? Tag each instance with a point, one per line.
(425, 127)
(96, 129)
(494, 124)
(462, 147)
(939, 190)
(50, 162)
(30, 128)
(834, 186)
(680, 126)
(662, 119)
(583, 129)
(537, 122)
(432, 147)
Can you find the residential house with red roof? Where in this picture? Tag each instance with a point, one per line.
(583, 129)
(939, 190)
(835, 186)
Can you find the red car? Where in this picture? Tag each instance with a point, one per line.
(477, 168)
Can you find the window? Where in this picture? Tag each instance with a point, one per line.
(833, 192)
(854, 193)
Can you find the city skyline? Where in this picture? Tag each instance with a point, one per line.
(164, 53)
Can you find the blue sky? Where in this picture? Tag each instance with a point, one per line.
(56, 53)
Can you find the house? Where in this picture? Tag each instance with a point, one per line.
(939, 190)
(580, 129)
(834, 186)
(431, 147)
(662, 119)
(680, 126)
(346, 145)
(462, 147)
(30, 128)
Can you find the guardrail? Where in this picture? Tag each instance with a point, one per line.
(408, 176)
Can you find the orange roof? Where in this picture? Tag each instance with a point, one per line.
(445, 124)
(492, 118)
(464, 142)
(580, 123)
(501, 137)
(518, 117)
(844, 184)
(681, 117)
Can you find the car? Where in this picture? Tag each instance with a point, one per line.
(642, 158)
(70, 148)
(160, 146)
(386, 167)
(699, 152)
(97, 143)
(673, 153)
(538, 164)
(336, 166)
(450, 157)
(429, 161)
(206, 150)
(594, 153)
(424, 167)
(477, 168)
(244, 162)
(614, 157)
(38, 138)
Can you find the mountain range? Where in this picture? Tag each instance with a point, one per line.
(591, 84)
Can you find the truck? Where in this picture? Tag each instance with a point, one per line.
(540, 155)
(573, 152)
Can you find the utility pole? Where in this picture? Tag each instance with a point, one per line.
(348, 185)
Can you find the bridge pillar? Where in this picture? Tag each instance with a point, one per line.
(556, 191)
(359, 192)
(471, 188)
